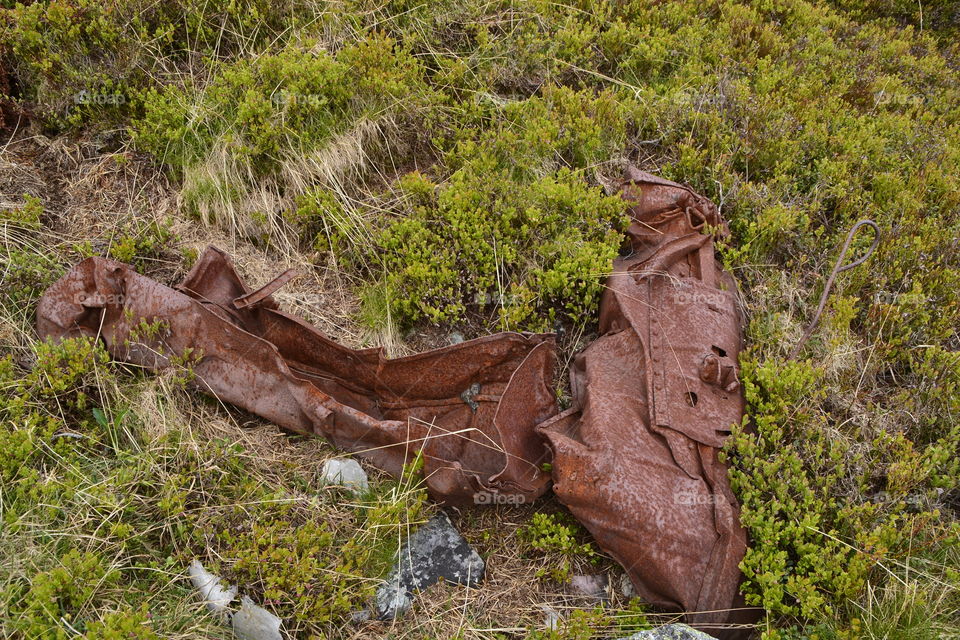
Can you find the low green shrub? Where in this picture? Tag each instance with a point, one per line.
(27, 271)
(516, 227)
(26, 216)
(314, 572)
(123, 625)
(60, 390)
(59, 594)
(89, 64)
(557, 535)
(141, 245)
(822, 522)
(261, 121)
(601, 621)
(299, 568)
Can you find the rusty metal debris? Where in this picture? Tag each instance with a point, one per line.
(252, 355)
(635, 458)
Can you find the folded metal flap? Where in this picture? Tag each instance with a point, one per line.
(681, 341)
(213, 279)
(263, 293)
(527, 401)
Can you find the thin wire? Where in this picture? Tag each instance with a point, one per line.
(838, 269)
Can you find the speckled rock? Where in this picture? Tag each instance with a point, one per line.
(670, 632)
(436, 550)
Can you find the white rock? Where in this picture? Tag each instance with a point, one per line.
(211, 590)
(255, 623)
(552, 618)
(347, 473)
(591, 586)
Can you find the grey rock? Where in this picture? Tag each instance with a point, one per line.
(359, 617)
(670, 632)
(255, 623)
(456, 337)
(591, 586)
(626, 587)
(347, 473)
(436, 550)
(393, 600)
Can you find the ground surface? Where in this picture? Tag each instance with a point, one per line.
(438, 169)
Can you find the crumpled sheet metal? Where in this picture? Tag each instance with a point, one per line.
(471, 407)
(635, 457)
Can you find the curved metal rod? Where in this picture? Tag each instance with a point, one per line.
(837, 269)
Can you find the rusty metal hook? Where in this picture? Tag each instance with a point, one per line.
(838, 268)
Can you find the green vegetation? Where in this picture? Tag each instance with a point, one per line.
(515, 224)
(452, 160)
(92, 63)
(584, 624)
(313, 574)
(101, 510)
(557, 537)
(139, 246)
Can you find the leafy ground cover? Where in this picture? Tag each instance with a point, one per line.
(445, 166)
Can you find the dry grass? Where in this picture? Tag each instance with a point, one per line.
(89, 197)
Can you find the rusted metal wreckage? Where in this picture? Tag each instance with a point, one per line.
(634, 458)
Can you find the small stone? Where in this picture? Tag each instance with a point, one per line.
(436, 550)
(551, 620)
(670, 632)
(255, 623)
(359, 617)
(456, 337)
(393, 599)
(591, 586)
(627, 588)
(347, 473)
(211, 590)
